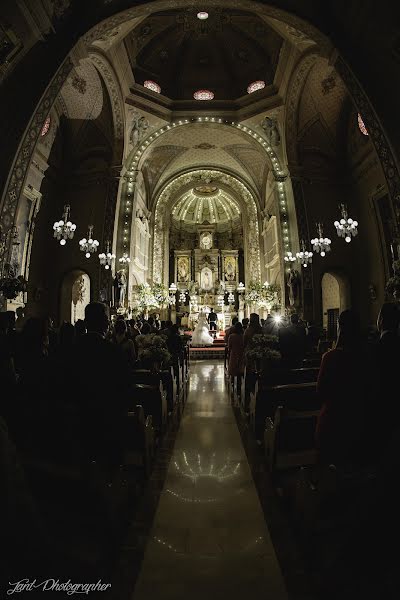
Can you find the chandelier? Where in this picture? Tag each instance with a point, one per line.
(241, 287)
(321, 244)
(289, 257)
(346, 227)
(106, 258)
(231, 298)
(89, 246)
(64, 230)
(305, 257)
(220, 301)
(125, 259)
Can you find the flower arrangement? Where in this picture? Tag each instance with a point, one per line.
(393, 284)
(254, 293)
(153, 351)
(262, 351)
(266, 295)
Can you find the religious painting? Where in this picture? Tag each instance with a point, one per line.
(206, 279)
(183, 269)
(230, 268)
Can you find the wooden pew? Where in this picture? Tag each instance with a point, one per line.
(289, 438)
(153, 399)
(266, 398)
(139, 442)
(169, 385)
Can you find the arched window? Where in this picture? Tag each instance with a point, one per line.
(361, 125)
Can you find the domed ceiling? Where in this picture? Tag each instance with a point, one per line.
(224, 53)
(206, 203)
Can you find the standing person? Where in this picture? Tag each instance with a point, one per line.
(124, 342)
(342, 385)
(253, 328)
(212, 319)
(236, 354)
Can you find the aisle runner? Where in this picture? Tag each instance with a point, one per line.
(209, 539)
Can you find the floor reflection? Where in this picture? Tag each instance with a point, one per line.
(209, 528)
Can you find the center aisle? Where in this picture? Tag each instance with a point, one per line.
(209, 538)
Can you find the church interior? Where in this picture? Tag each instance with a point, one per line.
(199, 298)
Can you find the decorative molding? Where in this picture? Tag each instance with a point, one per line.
(114, 91)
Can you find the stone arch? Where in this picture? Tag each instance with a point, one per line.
(160, 218)
(69, 300)
(335, 291)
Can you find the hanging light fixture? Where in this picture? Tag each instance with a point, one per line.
(289, 257)
(89, 246)
(106, 258)
(182, 298)
(125, 259)
(346, 227)
(305, 256)
(64, 230)
(321, 244)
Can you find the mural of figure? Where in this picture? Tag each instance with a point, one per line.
(119, 284)
(293, 285)
(270, 126)
(183, 269)
(139, 128)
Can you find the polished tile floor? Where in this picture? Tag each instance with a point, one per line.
(209, 538)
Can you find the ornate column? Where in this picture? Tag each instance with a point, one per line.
(102, 288)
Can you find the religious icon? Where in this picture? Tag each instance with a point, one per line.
(230, 268)
(183, 269)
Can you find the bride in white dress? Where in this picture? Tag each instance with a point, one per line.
(201, 334)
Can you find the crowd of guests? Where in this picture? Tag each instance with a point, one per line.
(355, 373)
(48, 372)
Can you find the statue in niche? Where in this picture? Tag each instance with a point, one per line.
(271, 130)
(221, 289)
(119, 285)
(193, 288)
(293, 283)
(206, 279)
(139, 127)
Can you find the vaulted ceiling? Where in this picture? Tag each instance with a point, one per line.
(223, 53)
(203, 145)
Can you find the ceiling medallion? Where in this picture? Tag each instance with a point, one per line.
(152, 85)
(205, 190)
(256, 85)
(203, 95)
(202, 15)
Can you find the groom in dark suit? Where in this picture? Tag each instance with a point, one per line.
(212, 319)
